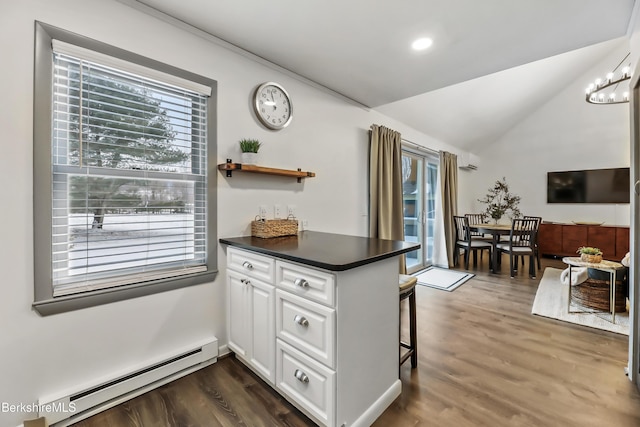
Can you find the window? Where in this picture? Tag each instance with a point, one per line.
(123, 203)
(419, 188)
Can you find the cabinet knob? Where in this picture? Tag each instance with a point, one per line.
(301, 282)
(247, 265)
(245, 281)
(301, 376)
(301, 320)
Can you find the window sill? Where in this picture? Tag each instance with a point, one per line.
(91, 299)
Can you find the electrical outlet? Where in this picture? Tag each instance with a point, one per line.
(277, 211)
(262, 211)
(291, 210)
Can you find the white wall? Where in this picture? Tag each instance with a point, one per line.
(42, 355)
(566, 133)
(634, 36)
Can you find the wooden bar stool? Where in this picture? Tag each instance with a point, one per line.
(408, 290)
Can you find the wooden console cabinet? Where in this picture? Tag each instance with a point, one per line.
(564, 239)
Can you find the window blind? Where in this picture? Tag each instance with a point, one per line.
(129, 176)
(75, 51)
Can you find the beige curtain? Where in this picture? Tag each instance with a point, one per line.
(386, 218)
(449, 192)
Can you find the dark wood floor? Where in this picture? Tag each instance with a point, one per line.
(484, 360)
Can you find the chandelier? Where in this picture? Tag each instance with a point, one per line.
(596, 93)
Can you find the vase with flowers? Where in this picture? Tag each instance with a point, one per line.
(500, 201)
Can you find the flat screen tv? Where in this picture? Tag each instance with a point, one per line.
(589, 186)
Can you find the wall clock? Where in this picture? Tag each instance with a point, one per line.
(273, 106)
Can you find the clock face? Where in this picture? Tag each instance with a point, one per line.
(273, 106)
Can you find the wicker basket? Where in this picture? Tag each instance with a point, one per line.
(595, 294)
(591, 258)
(274, 228)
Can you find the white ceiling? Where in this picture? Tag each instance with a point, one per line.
(475, 113)
(361, 49)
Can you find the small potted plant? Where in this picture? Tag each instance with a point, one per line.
(249, 148)
(589, 254)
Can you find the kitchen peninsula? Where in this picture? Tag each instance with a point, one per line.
(316, 316)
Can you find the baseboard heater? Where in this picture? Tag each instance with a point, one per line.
(70, 407)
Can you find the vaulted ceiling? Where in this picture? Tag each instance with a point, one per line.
(361, 49)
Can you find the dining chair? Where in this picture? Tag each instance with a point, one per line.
(478, 219)
(521, 243)
(539, 221)
(467, 244)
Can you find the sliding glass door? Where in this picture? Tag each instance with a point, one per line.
(419, 180)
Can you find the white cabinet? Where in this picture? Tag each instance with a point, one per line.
(239, 314)
(306, 339)
(305, 382)
(308, 326)
(251, 311)
(251, 264)
(326, 340)
(313, 284)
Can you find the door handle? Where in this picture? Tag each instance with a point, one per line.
(301, 320)
(301, 376)
(301, 282)
(635, 188)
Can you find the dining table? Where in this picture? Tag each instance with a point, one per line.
(495, 230)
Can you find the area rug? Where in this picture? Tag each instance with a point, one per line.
(442, 278)
(551, 301)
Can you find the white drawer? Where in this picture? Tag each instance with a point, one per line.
(306, 325)
(307, 282)
(251, 264)
(307, 383)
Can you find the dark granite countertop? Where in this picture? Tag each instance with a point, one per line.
(335, 252)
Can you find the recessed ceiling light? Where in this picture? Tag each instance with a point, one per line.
(422, 44)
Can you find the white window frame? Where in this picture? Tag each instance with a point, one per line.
(44, 300)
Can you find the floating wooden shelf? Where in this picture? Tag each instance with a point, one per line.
(229, 167)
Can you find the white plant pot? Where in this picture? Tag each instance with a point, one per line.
(249, 158)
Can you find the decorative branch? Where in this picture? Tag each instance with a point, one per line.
(500, 201)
